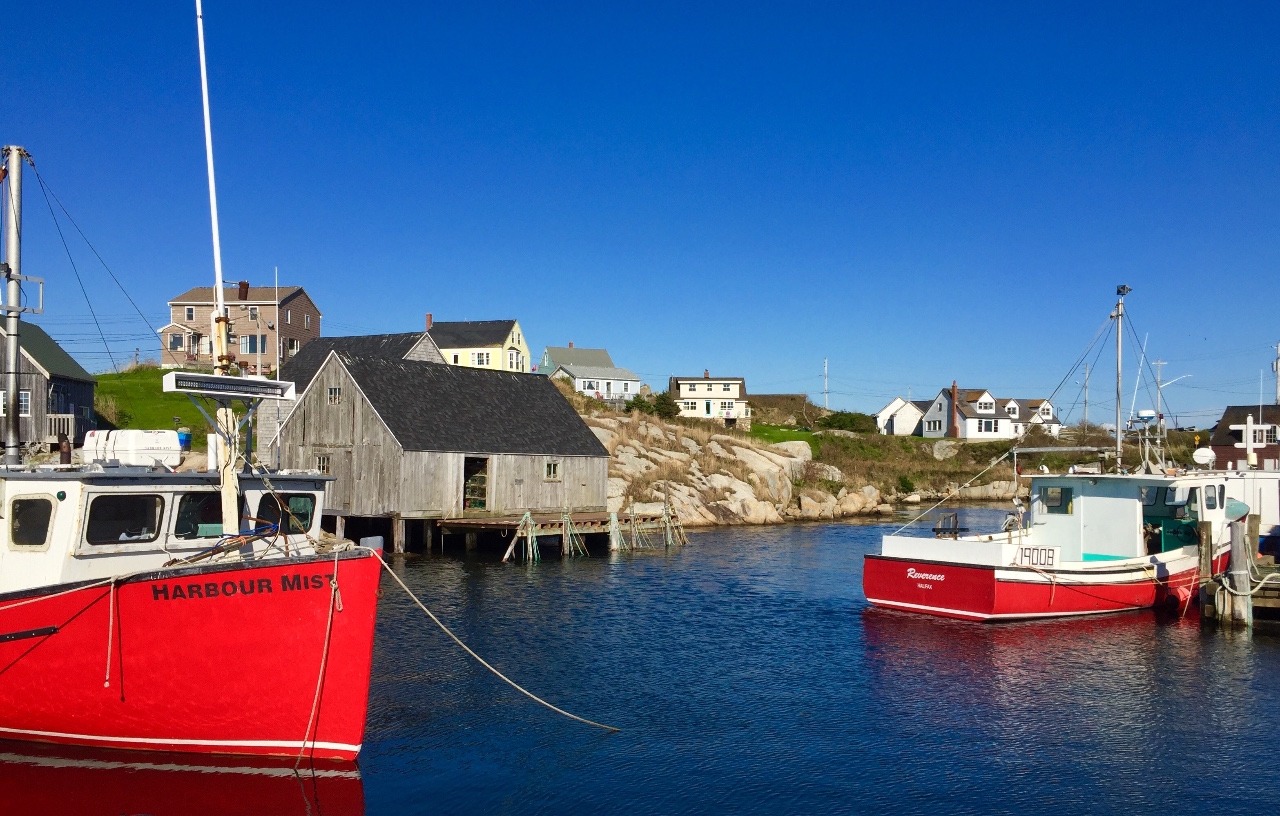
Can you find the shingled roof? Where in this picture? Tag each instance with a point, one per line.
(302, 367)
(470, 333)
(1224, 436)
(231, 294)
(570, 356)
(436, 407)
(47, 354)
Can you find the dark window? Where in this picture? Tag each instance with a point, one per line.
(123, 517)
(299, 509)
(1056, 500)
(200, 515)
(30, 522)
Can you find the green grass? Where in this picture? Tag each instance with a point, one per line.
(136, 400)
(778, 433)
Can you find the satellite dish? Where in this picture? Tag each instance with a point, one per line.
(1203, 456)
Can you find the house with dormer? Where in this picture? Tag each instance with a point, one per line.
(977, 414)
(498, 345)
(269, 325)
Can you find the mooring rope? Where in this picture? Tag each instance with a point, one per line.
(954, 493)
(335, 602)
(480, 659)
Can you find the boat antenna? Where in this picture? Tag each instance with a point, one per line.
(1121, 291)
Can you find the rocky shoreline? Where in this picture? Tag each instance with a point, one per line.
(713, 478)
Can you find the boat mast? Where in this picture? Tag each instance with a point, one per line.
(13, 301)
(1121, 291)
(220, 322)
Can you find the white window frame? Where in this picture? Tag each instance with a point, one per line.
(335, 395)
(190, 313)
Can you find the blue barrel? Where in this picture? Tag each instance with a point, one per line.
(184, 439)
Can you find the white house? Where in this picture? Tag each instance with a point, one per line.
(976, 414)
(720, 399)
(607, 383)
(902, 417)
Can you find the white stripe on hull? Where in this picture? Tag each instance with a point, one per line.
(1002, 616)
(224, 745)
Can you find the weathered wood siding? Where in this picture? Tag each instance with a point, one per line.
(363, 457)
(374, 477)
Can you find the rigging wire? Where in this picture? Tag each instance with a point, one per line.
(80, 281)
(50, 193)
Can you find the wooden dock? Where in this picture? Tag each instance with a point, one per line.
(530, 532)
(1250, 585)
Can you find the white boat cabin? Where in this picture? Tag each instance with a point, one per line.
(63, 525)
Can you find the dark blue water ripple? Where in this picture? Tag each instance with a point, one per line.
(748, 676)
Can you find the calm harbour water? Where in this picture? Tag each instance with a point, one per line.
(747, 675)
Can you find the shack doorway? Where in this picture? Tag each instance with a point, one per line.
(475, 484)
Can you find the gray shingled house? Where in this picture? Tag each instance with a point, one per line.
(414, 442)
(55, 393)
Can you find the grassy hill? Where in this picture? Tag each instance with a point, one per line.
(134, 399)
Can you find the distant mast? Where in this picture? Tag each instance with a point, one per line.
(1121, 291)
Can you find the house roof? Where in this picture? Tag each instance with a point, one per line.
(923, 405)
(470, 333)
(47, 354)
(1027, 408)
(598, 372)
(565, 356)
(437, 407)
(1224, 436)
(302, 367)
(204, 295)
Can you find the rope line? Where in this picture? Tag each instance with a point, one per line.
(953, 493)
(335, 600)
(481, 660)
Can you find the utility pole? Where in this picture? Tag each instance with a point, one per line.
(1086, 396)
(1158, 365)
(1275, 366)
(13, 301)
(826, 403)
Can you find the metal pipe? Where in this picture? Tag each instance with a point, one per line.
(13, 302)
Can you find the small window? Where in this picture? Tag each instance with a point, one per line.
(288, 316)
(176, 342)
(335, 396)
(24, 403)
(253, 312)
(726, 387)
(30, 522)
(455, 359)
(117, 518)
(306, 321)
(693, 386)
(626, 387)
(191, 313)
(1056, 500)
(324, 463)
(1271, 435)
(200, 515)
(986, 406)
(1211, 499)
(1147, 494)
(553, 471)
(299, 509)
(726, 406)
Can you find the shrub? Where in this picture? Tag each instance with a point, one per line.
(905, 485)
(665, 406)
(848, 421)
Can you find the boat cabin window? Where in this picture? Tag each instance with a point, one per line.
(30, 520)
(1148, 494)
(200, 515)
(1210, 498)
(299, 509)
(1056, 500)
(114, 518)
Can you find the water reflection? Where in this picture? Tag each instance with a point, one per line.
(54, 780)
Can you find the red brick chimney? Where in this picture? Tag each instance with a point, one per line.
(706, 373)
(955, 411)
(244, 290)
(429, 321)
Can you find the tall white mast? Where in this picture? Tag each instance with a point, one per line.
(227, 433)
(1121, 291)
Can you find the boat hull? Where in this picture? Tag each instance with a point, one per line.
(258, 659)
(989, 593)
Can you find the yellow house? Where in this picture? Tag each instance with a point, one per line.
(495, 344)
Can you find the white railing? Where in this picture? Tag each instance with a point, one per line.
(60, 423)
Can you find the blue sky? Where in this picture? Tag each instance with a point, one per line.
(918, 192)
